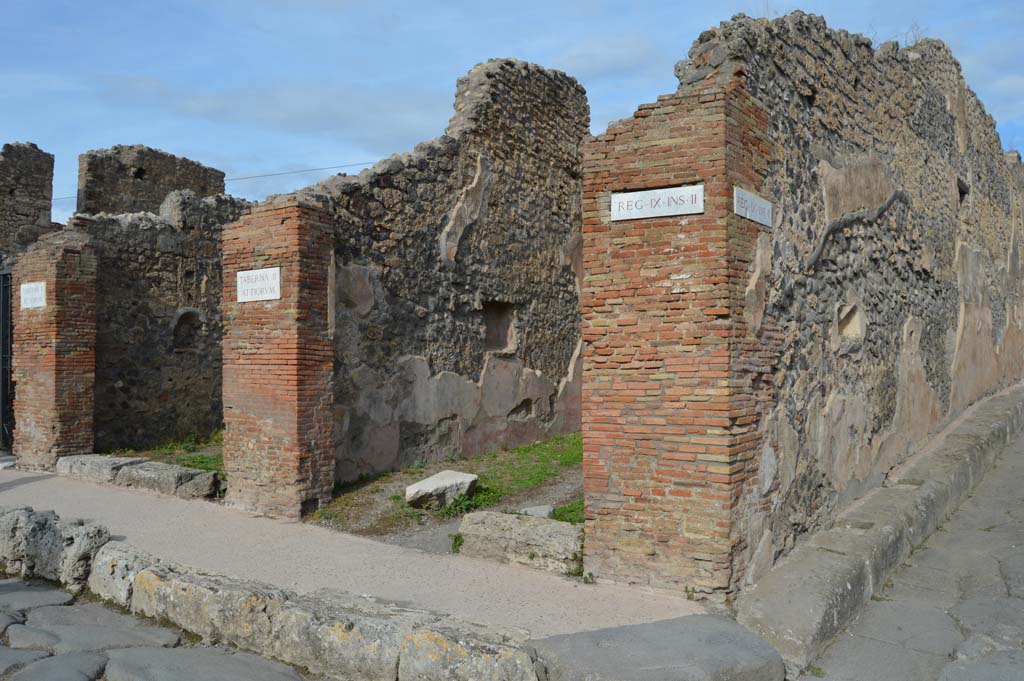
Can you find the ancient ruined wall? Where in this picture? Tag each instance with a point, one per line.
(158, 341)
(892, 268)
(129, 179)
(456, 322)
(26, 190)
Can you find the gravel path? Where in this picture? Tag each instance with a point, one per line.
(303, 558)
(955, 611)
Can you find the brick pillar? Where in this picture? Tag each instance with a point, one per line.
(279, 363)
(54, 308)
(670, 411)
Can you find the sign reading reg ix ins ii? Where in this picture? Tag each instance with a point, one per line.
(657, 203)
(33, 294)
(256, 285)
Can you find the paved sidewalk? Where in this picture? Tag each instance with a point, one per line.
(303, 558)
(955, 610)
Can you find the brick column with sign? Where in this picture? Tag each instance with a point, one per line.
(54, 308)
(278, 359)
(673, 381)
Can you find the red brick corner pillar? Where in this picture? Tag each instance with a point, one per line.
(54, 308)
(670, 411)
(278, 360)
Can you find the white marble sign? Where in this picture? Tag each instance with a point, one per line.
(749, 205)
(656, 203)
(33, 294)
(255, 285)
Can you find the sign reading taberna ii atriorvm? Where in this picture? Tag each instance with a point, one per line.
(257, 285)
(657, 203)
(33, 295)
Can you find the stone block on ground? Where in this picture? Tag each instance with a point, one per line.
(113, 571)
(538, 511)
(165, 478)
(1000, 666)
(70, 667)
(694, 648)
(441, 488)
(98, 468)
(84, 628)
(175, 664)
(540, 543)
(8, 462)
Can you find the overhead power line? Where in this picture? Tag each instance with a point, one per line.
(253, 177)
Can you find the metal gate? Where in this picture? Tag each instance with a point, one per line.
(6, 356)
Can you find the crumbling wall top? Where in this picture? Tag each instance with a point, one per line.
(130, 179)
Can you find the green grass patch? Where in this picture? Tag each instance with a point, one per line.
(569, 513)
(191, 452)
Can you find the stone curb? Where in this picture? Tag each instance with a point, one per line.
(141, 473)
(344, 636)
(815, 592)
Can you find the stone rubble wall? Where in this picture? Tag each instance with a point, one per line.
(478, 227)
(130, 179)
(890, 281)
(159, 329)
(26, 191)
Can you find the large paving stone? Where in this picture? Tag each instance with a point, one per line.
(12, 660)
(88, 627)
(17, 596)
(915, 627)
(856, 658)
(998, 617)
(95, 467)
(536, 542)
(441, 488)
(70, 667)
(695, 648)
(180, 664)
(1011, 565)
(1003, 666)
(114, 569)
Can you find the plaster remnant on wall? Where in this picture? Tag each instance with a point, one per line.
(753, 307)
(472, 202)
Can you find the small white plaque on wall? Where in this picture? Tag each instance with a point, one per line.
(749, 205)
(33, 294)
(256, 285)
(657, 203)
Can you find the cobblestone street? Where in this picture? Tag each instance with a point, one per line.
(955, 611)
(48, 637)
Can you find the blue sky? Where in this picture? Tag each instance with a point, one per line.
(264, 86)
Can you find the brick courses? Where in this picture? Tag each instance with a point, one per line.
(55, 351)
(279, 362)
(669, 417)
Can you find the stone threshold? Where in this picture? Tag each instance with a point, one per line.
(816, 591)
(140, 473)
